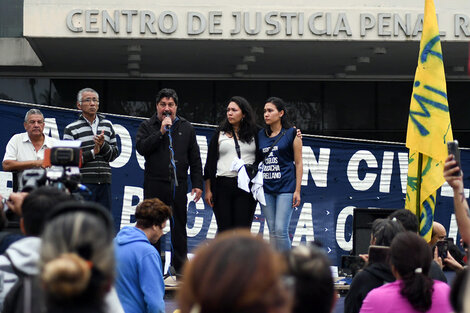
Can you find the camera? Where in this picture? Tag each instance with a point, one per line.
(63, 162)
(379, 254)
(65, 156)
(442, 248)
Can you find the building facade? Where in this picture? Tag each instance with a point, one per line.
(346, 68)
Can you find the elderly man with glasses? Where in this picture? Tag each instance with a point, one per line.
(99, 146)
(26, 150)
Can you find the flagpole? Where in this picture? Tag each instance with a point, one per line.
(418, 186)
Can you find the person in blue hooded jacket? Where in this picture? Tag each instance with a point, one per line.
(139, 275)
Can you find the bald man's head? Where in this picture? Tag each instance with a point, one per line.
(438, 233)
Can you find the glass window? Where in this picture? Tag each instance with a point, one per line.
(195, 99)
(303, 103)
(64, 92)
(11, 18)
(31, 90)
(349, 106)
(255, 92)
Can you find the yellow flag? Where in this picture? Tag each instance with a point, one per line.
(429, 127)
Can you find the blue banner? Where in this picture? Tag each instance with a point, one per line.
(339, 175)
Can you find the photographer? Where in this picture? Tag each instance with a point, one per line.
(26, 150)
(22, 257)
(7, 237)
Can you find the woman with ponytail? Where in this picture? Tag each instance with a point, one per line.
(413, 291)
(77, 258)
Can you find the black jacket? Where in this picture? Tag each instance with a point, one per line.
(155, 148)
(373, 276)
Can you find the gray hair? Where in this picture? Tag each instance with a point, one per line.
(84, 236)
(80, 93)
(31, 112)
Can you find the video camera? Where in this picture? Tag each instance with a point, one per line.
(63, 162)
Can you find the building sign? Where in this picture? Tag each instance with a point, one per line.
(326, 24)
(338, 177)
(356, 21)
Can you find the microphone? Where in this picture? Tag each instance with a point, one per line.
(167, 114)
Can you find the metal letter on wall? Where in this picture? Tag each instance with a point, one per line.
(192, 17)
(367, 22)
(313, 28)
(147, 23)
(69, 21)
(288, 16)
(268, 18)
(248, 29)
(214, 19)
(107, 20)
(129, 14)
(91, 19)
(174, 22)
(238, 23)
(461, 24)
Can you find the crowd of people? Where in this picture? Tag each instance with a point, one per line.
(70, 259)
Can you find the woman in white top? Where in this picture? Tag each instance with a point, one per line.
(233, 207)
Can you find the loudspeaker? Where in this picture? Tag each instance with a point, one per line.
(362, 225)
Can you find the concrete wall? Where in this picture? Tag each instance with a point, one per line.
(364, 20)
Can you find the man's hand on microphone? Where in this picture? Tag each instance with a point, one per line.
(166, 123)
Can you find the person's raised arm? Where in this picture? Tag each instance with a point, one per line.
(460, 202)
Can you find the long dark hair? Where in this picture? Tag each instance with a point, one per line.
(248, 129)
(411, 256)
(280, 106)
(384, 230)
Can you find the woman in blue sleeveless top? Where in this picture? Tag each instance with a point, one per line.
(282, 171)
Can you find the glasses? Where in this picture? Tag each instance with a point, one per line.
(89, 100)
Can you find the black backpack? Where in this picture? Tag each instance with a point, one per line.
(26, 295)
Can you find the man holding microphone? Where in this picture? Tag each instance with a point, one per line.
(168, 144)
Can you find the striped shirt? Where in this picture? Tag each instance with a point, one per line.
(95, 168)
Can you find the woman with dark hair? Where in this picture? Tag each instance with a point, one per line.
(313, 281)
(234, 140)
(413, 290)
(282, 171)
(237, 272)
(375, 274)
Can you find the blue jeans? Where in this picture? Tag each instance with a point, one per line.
(278, 211)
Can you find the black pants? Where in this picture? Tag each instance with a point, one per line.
(162, 190)
(100, 193)
(233, 207)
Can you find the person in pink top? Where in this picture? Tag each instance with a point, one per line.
(413, 291)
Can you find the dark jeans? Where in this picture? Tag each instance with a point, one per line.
(100, 193)
(162, 191)
(233, 207)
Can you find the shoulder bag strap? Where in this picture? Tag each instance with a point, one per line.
(237, 146)
(272, 146)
